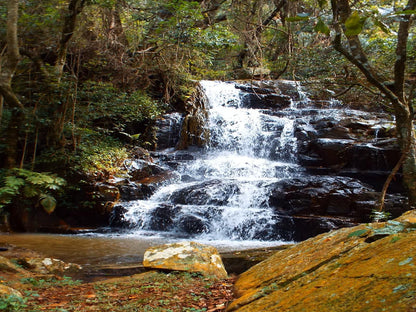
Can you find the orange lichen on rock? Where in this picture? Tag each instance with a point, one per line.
(364, 268)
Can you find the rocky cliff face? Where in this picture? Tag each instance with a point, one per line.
(364, 268)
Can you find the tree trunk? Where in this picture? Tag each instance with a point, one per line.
(407, 141)
(74, 8)
(12, 56)
(7, 72)
(117, 37)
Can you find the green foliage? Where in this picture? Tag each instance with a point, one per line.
(298, 18)
(12, 303)
(99, 155)
(102, 3)
(379, 216)
(50, 281)
(20, 184)
(99, 100)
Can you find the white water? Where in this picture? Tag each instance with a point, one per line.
(227, 190)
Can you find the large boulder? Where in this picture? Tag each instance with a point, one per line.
(186, 256)
(364, 268)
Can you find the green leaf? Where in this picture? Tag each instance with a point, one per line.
(14, 182)
(354, 24)
(48, 203)
(30, 191)
(322, 28)
(298, 18)
(405, 12)
(40, 179)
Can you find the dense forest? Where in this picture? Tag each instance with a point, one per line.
(82, 82)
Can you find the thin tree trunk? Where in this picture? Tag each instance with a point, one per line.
(6, 75)
(12, 56)
(74, 8)
(35, 147)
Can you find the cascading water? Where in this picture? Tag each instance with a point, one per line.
(222, 193)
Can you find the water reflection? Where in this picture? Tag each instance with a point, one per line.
(83, 250)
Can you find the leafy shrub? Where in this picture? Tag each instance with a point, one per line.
(11, 303)
(100, 155)
(21, 184)
(99, 100)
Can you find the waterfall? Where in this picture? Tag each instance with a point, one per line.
(222, 192)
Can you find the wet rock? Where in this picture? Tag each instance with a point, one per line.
(348, 154)
(300, 228)
(117, 217)
(144, 170)
(266, 101)
(168, 130)
(372, 157)
(162, 217)
(285, 87)
(107, 192)
(328, 152)
(212, 192)
(131, 191)
(329, 272)
(194, 131)
(331, 197)
(186, 256)
(257, 89)
(192, 225)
